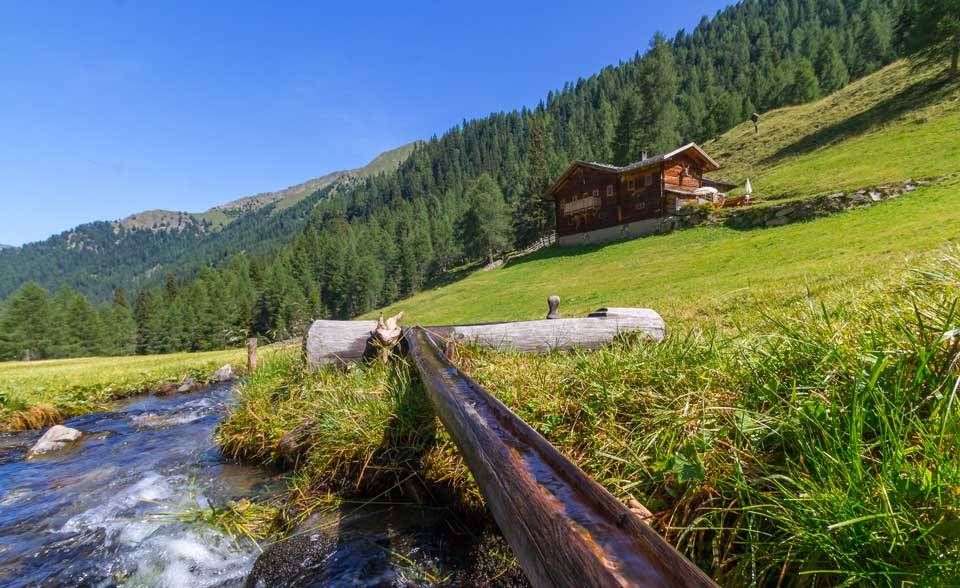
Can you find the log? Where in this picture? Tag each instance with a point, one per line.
(552, 334)
(344, 341)
(564, 528)
(337, 341)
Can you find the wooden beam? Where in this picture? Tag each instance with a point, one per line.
(564, 528)
(552, 334)
(251, 355)
(344, 341)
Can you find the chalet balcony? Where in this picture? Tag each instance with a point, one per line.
(581, 204)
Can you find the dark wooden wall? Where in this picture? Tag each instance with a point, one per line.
(633, 198)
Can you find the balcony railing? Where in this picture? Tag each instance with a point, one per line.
(581, 204)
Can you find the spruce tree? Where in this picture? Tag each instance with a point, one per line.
(831, 69)
(27, 326)
(529, 221)
(625, 137)
(660, 118)
(485, 228)
(805, 86)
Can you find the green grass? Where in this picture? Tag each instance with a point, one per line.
(901, 122)
(705, 274)
(797, 427)
(819, 444)
(38, 393)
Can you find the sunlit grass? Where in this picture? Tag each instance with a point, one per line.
(706, 275)
(819, 445)
(901, 122)
(39, 393)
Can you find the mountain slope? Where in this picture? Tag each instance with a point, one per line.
(97, 257)
(901, 122)
(386, 161)
(716, 272)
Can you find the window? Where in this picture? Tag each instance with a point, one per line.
(630, 185)
(649, 179)
(641, 204)
(596, 192)
(610, 190)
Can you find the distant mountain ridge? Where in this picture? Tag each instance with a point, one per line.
(222, 214)
(128, 253)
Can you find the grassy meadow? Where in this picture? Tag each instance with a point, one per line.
(819, 444)
(707, 274)
(797, 426)
(899, 123)
(40, 393)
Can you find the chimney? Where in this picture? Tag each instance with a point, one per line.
(643, 155)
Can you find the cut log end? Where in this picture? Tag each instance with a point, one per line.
(387, 335)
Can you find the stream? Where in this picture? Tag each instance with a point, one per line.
(119, 508)
(115, 508)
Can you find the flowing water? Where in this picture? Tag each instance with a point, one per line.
(119, 508)
(115, 507)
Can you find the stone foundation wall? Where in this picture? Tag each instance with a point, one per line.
(776, 215)
(619, 232)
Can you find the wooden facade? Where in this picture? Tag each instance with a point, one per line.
(592, 198)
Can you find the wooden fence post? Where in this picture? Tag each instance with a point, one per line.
(251, 355)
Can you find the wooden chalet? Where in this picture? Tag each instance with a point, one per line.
(597, 202)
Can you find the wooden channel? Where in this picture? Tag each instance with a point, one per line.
(564, 528)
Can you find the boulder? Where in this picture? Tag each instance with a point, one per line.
(224, 374)
(57, 437)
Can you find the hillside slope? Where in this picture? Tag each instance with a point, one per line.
(386, 161)
(898, 123)
(96, 257)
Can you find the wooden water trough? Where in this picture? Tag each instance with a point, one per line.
(565, 529)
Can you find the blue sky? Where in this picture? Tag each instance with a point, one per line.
(109, 108)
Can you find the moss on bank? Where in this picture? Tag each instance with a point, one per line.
(818, 448)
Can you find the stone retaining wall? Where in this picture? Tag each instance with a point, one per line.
(776, 215)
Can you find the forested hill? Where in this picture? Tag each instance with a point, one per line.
(477, 190)
(95, 258)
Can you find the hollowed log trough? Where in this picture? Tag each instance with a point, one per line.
(565, 529)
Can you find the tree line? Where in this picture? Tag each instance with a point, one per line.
(476, 191)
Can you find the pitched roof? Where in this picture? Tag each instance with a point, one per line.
(709, 163)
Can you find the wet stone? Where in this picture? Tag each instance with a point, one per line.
(56, 438)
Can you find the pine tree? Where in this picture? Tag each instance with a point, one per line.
(625, 137)
(122, 329)
(805, 86)
(529, 221)
(27, 326)
(485, 228)
(831, 69)
(660, 118)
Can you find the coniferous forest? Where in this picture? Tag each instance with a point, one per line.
(464, 197)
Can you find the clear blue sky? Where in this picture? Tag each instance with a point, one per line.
(109, 108)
